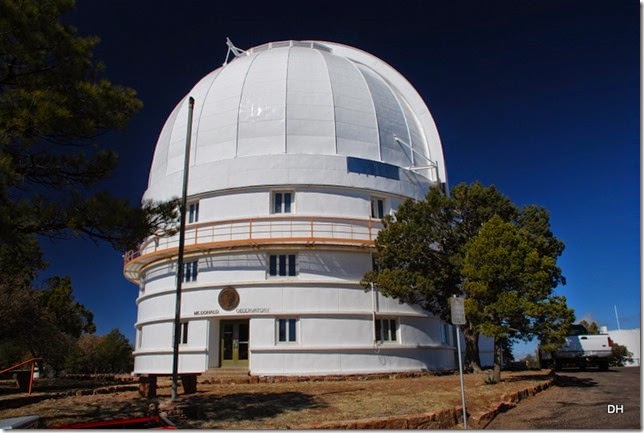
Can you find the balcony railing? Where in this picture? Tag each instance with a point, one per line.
(265, 230)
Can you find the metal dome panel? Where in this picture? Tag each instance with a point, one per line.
(299, 98)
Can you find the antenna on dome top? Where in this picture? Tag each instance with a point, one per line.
(236, 51)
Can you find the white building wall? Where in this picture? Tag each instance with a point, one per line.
(631, 338)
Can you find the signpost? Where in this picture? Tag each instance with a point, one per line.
(457, 305)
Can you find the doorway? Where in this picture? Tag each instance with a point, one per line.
(234, 343)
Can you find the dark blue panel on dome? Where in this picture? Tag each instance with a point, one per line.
(374, 168)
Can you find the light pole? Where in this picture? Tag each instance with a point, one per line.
(182, 242)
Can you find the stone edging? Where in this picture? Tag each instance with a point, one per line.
(482, 419)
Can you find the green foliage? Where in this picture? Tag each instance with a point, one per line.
(620, 356)
(43, 323)
(55, 102)
(109, 353)
(476, 243)
(592, 327)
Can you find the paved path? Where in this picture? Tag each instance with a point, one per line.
(580, 400)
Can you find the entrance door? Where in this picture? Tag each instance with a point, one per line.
(234, 343)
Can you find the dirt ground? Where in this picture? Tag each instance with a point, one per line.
(282, 405)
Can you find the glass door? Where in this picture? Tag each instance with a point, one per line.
(234, 343)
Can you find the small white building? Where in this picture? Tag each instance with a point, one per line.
(631, 338)
(299, 148)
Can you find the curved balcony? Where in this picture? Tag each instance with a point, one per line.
(254, 233)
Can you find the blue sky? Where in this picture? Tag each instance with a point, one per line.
(540, 98)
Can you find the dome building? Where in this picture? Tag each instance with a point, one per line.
(298, 150)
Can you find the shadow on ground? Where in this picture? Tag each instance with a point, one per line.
(528, 377)
(98, 412)
(247, 406)
(574, 381)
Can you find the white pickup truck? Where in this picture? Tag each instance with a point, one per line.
(580, 349)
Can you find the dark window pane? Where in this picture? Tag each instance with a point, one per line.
(184, 333)
(282, 330)
(193, 214)
(385, 330)
(291, 264)
(381, 209)
(392, 326)
(243, 332)
(282, 265)
(278, 203)
(378, 331)
(227, 341)
(186, 272)
(272, 267)
(287, 202)
(242, 351)
(291, 330)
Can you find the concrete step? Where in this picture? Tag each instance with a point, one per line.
(225, 375)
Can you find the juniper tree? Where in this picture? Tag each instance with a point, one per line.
(422, 252)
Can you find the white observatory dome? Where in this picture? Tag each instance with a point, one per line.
(295, 97)
(298, 152)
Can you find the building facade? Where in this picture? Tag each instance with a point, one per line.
(298, 150)
(631, 339)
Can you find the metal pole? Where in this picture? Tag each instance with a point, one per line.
(460, 370)
(617, 317)
(182, 241)
(373, 314)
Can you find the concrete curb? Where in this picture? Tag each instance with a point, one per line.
(442, 419)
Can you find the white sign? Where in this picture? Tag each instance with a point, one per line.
(457, 305)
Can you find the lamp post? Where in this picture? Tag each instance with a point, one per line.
(182, 241)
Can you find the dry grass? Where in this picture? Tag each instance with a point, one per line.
(289, 405)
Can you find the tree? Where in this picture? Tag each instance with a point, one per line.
(115, 353)
(508, 282)
(54, 105)
(620, 356)
(109, 353)
(421, 254)
(45, 323)
(592, 327)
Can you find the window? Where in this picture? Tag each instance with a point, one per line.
(193, 212)
(287, 330)
(377, 207)
(283, 202)
(184, 333)
(386, 330)
(282, 265)
(445, 331)
(190, 271)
